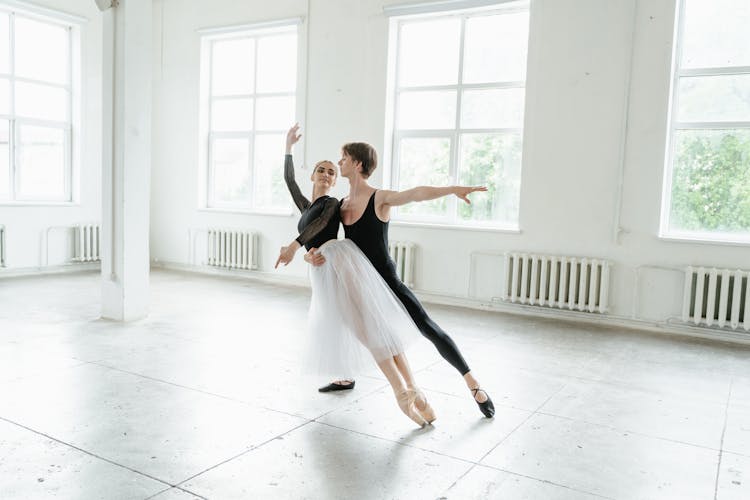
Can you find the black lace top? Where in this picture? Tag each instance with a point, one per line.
(320, 219)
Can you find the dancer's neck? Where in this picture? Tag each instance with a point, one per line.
(358, 186)
(318, 192)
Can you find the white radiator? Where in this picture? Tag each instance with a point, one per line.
(402, 254)
(718, 297)
(2, 246)
(87, 245)
(232, 249)
(579, 283)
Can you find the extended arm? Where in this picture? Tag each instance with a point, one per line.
(424, 193)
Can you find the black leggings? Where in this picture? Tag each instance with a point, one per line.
(430, 330)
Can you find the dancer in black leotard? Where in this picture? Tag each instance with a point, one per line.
(365, 214)
(352, 310)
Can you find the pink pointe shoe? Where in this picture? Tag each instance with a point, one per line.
(423, 407)
(406, 401)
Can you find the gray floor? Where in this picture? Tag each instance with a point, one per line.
(204, 399)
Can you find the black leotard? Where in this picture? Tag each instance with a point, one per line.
(320, 219)
(370, 234)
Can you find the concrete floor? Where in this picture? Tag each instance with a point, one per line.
(204, 400)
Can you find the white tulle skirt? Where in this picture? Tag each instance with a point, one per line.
(354, 316)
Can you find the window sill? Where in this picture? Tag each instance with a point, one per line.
(241, 211)
(433, 225)
(706, 239)
(39, 204)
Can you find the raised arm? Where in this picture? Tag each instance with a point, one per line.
(299, 199)
(425, 193)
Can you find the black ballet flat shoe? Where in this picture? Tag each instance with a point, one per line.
(333, 386)
(487, 408)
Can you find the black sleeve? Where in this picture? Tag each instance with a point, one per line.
(330, 209)
(299, 199)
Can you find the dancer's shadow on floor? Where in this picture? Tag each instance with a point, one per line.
(359, 465)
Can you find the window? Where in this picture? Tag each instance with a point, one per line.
(250, 93)
(457, 87)
(707, 175)
(36, 95)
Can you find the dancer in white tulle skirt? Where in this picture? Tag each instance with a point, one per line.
(354, 316)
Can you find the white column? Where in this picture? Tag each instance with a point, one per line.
(126, 159)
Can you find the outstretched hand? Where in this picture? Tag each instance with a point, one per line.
(464, 191)
(292, 137)
(314, 258)
(285, 255)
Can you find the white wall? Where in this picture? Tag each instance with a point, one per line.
(27, 226)
(597, 93)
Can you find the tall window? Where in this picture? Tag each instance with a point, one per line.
(35, 109)
(251, 98)
(707, 176)
(457, 87)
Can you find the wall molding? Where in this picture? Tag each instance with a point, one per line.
(20, 272)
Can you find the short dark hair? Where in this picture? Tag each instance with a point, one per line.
(363, 153)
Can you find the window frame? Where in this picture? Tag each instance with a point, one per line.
(206, 196)
(674, 126)
(70, 126)
(394, 136)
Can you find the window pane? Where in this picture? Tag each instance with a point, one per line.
(277, 63)
(270, 190)
(495, 48)
(231, 115)
(4, 96)
(41, 169)
(41, 101)
(4, 160)
(715, 33)
(714, 98)
(711, 181)
(233, 67)
(491, 160)
(428, 53)
(274, 113)
(41, 50)
(426, 110)
(495, 108)
(230, 163)
(4, 44)
(424, 161)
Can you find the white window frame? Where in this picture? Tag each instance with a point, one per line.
(674, 126)
(206, 199)
(430, 12)
(71, 126)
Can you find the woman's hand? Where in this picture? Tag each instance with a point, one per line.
(287, 254)
(292, 137)
(314, 258)
(464, 191)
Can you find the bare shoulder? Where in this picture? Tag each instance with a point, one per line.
(382, 205)
(382, 197)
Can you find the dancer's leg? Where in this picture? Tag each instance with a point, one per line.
(402, 364)
(405, 397)
(391, 372)
(442, 341)
(421, 403)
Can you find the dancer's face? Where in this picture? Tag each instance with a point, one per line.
(348, 165)
(324, 175)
